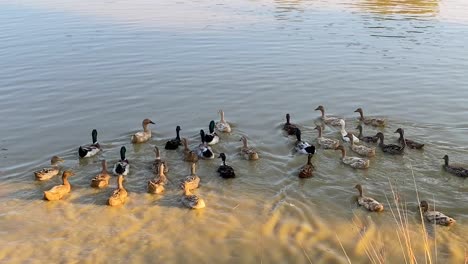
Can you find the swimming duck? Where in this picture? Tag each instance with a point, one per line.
(332, 121)
(175, 142)
(435, 217)
(122, 167)
(192, 201)
(360, 149)
(158, 161)
(390, 148)
(156, 186)
(367, 139)
(369, 203)
(303, 147)
(288, 127)
(192, 181)
(212, 138)
(47, 173)
(355, 162)
(144, 135)
(222, 125)
(203, 150)
(410, 143)
(344, 133)
(247, 152)
(119, 195)
(57, 192)
(455, 169)
(224, 170)
(307, 170)
(378, 122)
(189, 155)
(102, 179)
(326, 143)
(90, 150)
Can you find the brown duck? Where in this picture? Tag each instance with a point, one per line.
(410, 143)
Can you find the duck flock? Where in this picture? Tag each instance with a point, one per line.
(204, 151)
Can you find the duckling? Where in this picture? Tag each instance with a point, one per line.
(47, 173)
(212, 138)
(192, 181)
(367, 139)
(435, 217)
(156, 186)
(224, 170)
(377, 122)
(102, 179)
(190, 200)
(90, 150)
(355, 162)
(344, 133)
(410, 143)
(326, 143)
(119, 195)
(144, 135)
(158, 161)
(222, 125)
(57, 192)
(123, 166)
(332, 121)
(288, 127)
(307, 170)
(360, 149)
(455, 169)
(369, 203)
(189, 155)
(175, 142)
(390, 148)
(204, 151)
(303, 147)
(247, 152)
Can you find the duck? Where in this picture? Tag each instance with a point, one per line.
(48, 173)
(212, 138)
(247, 152)
(360, 149)
(377, 122)
(369, 203)
(122, 167)
(145, 135)
(102, 179)
(57, 192)
(454, 169)
(344, 133)
(307, 170)
(225, 171)
(192, 181)
(354, 162)
(332, 121)
(203, 150)
(222, 125)
(410, 143)
(435, 217)
(192, 201)
(367, 139)
(158, 161)
(326, 143)
(288, 127)
(189, 155)
(92, 149)
(119, 195)
(390, 148)
(303, 147)
(156, 186)
(175, 142)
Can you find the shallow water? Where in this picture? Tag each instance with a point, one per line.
(67, 68)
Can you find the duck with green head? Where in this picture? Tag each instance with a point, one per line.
(122, 167)
(211, 138)
(92, 149)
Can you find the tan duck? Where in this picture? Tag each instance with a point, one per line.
(367, 139)
(189, 156)
(326, 143)
(369, 203)
(57, 192)
(47, 173)
(307, 170)
(360, 149)
(102, 179)
(410, 143)
(222, 125)
(377, 122)
(288, 127)
(192, 181)
(332, 121)
(190, 200)
(435, 217)
(156, 186)
(247, 152)
(144, 135)
(158, 161)
(355, 162)
(455, 169)
(119, 195)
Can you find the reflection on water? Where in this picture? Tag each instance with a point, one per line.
(401, 7)
(291, 10)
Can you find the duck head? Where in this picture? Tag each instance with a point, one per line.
(446, 159)
(212, 126)
(288, 117)
(380, 135)
(359, 188)
(400, 131)
(123, 150)
(424, 206)
(55, 160)
(94, 136)
(202, 135)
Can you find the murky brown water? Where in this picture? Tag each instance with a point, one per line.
(68, 67)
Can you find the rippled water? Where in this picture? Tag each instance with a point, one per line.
(70, 66)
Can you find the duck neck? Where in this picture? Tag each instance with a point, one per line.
(351, 139)
(65, 180)
(319, 128)
(309, 159)
(360, 131)
(224, 160)
(104, 167)
(244, 141)
(146, 128)
(158, 155)
(187, 191)
(446, 161)
(287, 119)
(381, 139)
(359, 190)
(323, 113)
(221, 113)
(120, 182)
(162, 176)
(193, 169)
(184, 141)
(343, 153)
(177, 134)
(361, 114)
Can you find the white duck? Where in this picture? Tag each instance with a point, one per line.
(344, 133)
